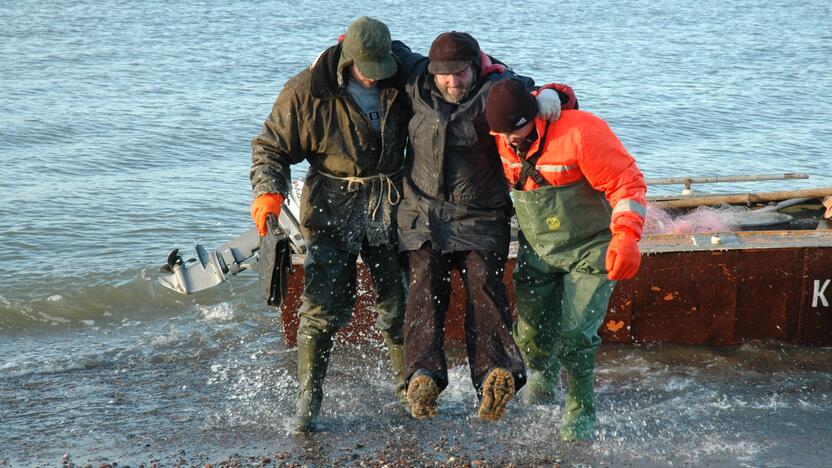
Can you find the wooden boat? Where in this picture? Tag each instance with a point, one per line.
(721, 288)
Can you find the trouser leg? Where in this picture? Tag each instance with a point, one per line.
(538, 294)
(388, 283)
(588, 296)
(487, 319)
(427, 303)
(385, 268)
(328, 301)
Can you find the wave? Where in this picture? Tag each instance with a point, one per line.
(129, 321)
(67, 303)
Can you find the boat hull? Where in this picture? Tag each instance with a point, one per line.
(691, 289)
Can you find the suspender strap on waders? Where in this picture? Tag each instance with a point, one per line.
(528, 170)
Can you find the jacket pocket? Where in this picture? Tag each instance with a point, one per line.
(331, 207)
(406, 219)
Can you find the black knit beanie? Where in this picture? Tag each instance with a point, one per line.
(510, 106)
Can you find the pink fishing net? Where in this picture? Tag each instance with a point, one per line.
(702, 219)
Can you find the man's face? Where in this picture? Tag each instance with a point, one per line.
(455, 86)
(518, 136)
(361, 79)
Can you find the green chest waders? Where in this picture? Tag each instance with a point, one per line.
(562, 223)
(562, 292)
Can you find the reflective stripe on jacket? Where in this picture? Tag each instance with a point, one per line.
(580, 145)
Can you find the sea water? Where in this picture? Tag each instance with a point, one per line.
(125, 130)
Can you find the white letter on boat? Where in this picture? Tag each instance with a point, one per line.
(819, 293)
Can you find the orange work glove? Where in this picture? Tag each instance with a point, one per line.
(262, 207)
(623, 257)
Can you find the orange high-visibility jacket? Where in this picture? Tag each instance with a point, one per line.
(580, 145)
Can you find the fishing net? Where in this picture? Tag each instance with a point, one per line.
(720, 218)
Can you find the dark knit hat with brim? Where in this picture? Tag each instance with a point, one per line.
(367, 45)
(510, 106)
(451, 52)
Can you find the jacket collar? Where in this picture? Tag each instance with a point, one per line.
(328, 82)
(540, 128)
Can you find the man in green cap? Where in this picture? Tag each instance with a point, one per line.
(346, 116)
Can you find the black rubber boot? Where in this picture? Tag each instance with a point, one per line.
(313, 360)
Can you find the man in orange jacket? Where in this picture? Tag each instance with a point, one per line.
(580, 204)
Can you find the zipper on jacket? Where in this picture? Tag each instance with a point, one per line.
(384, 121)
(439, 150)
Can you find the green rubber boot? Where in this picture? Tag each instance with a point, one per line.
(579, 409)
(541, 386)
(313, 360)
(396, 352)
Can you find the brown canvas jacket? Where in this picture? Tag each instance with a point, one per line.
(315, 119)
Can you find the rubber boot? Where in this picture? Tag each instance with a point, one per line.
(541, 386)
(579, 409)
(313, 360)
(396, 352)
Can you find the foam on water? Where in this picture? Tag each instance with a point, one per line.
(254, 396)
(217, 312)
(663, 405)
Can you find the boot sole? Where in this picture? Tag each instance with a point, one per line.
(422, 393)
(497, 391)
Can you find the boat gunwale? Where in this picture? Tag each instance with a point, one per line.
(701, 242)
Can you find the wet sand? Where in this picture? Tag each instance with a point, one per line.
(761, 404)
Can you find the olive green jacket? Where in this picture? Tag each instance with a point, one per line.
(315, 119)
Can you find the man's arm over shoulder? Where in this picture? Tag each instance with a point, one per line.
(492, 66)
(283, 141)
(410, 61)
(566, 95)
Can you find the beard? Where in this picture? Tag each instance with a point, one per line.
(453, 95)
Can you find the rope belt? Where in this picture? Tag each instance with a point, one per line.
(393, 195)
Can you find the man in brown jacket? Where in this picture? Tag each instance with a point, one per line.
(345, 116)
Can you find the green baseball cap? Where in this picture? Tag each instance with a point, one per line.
(367, 45)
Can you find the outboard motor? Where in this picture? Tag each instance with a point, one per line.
(270, 256)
